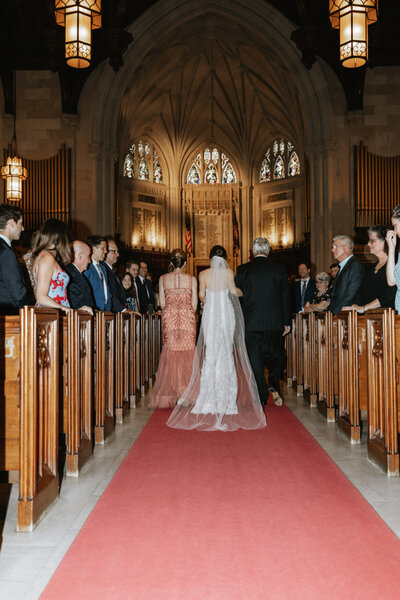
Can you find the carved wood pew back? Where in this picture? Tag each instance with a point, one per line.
(290, 354)
(122, 365)
(78, 388)
(310, 359)
(134, 359)
(104, 375)
(383, 354)
(326, 371)
(144, 350)
(39, 414)
(299, 354)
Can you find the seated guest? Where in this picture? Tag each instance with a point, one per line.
(333, 270)
(97, 275)
(51, 252)
(350, 276)
(145, 290)
(321, 299)
(374, 291)
(130, 291)
(13, 290)
(78, 289)
(304, 288)
(133, 268)
(393, 268)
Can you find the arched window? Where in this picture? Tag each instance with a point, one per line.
(211, 166)
(142, 163)
(280, 161)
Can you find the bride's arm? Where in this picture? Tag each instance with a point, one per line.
(194, 293)
(202, 287)
(232, 287)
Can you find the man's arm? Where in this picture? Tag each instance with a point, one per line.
(11, 276)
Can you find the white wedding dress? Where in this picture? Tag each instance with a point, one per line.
(222, 393)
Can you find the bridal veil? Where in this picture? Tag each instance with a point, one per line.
(222, 393)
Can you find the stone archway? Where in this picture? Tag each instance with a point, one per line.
(202, 70)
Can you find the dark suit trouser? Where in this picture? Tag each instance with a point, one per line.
(265, 348)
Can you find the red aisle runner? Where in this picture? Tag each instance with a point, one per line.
(230, 516)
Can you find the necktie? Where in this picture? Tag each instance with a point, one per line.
(303, 293)
(101, 275)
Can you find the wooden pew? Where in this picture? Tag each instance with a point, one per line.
(134, 359)
(144, 350)
(310, 362)
(39, 414)
(352, 369)
(104, 375)
(299, 356)
(78, 388)
(326, 371)
(383, 355)
(122, 365)
(290, 354)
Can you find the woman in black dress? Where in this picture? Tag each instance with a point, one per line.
(374, 290)
(321, 299)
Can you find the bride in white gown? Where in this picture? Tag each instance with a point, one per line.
(222, 393)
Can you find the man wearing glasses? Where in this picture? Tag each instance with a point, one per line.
(351, 273)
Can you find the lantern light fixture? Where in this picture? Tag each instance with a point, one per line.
(352, 18)
(14, 172)
(78, 17)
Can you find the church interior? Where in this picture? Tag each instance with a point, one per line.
(183, 124)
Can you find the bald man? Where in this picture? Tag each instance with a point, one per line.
(79, 291)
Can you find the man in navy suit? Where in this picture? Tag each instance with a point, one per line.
(145, 289)
(116, 287)
(303, 289)
(350, 276)
(78, 290)
(97, 275)
(13, 292)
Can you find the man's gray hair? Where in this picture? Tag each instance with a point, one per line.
(346, 239)
(261, 246)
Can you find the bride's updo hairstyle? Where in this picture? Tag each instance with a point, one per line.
(218, 251)
(178, 258)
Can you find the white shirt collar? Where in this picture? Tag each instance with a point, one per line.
(5, 238)
(346, 260)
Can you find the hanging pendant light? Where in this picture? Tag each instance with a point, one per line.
(14, 173)
(78, 17)
(352, 18)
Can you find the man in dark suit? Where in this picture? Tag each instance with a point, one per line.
(116, 287)
(78, 290)
(132, 268)
(97, 275)
(350, 275)
(145, 289)
(304, 289)
(13, 291)
(266, 311)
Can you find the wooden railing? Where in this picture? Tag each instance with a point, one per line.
(349, 364)
(71, 374)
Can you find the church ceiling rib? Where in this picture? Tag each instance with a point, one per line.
(212, 82)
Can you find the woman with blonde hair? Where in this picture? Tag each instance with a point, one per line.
(51, 251)
(178, 300)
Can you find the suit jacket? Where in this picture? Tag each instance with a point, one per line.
(13, 291)
(144, 298)
(96, 284)
(266, 300)
(78, 289)
(117, 290)
(310, 289)
(346, 285)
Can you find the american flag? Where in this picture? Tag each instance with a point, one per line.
(188, 235)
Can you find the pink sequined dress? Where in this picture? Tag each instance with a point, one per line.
(179, 341)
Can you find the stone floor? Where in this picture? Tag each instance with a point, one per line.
(28, 560)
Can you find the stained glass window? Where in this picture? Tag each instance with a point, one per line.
(211, 166)
(285, 162)
(279, 168)
(193, 175)
(140, 147)
(143, 169)
(294, 165)
(265, 172)
(147, 149)
(211, 175)
(129, 166)
(229, 175)
(157, 169)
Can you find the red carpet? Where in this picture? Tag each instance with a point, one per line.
(230, 516)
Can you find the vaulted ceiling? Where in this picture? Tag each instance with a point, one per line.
(30, 39)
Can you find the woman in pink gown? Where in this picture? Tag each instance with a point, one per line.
(178, 299)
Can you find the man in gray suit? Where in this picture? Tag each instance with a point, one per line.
(350, 276)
